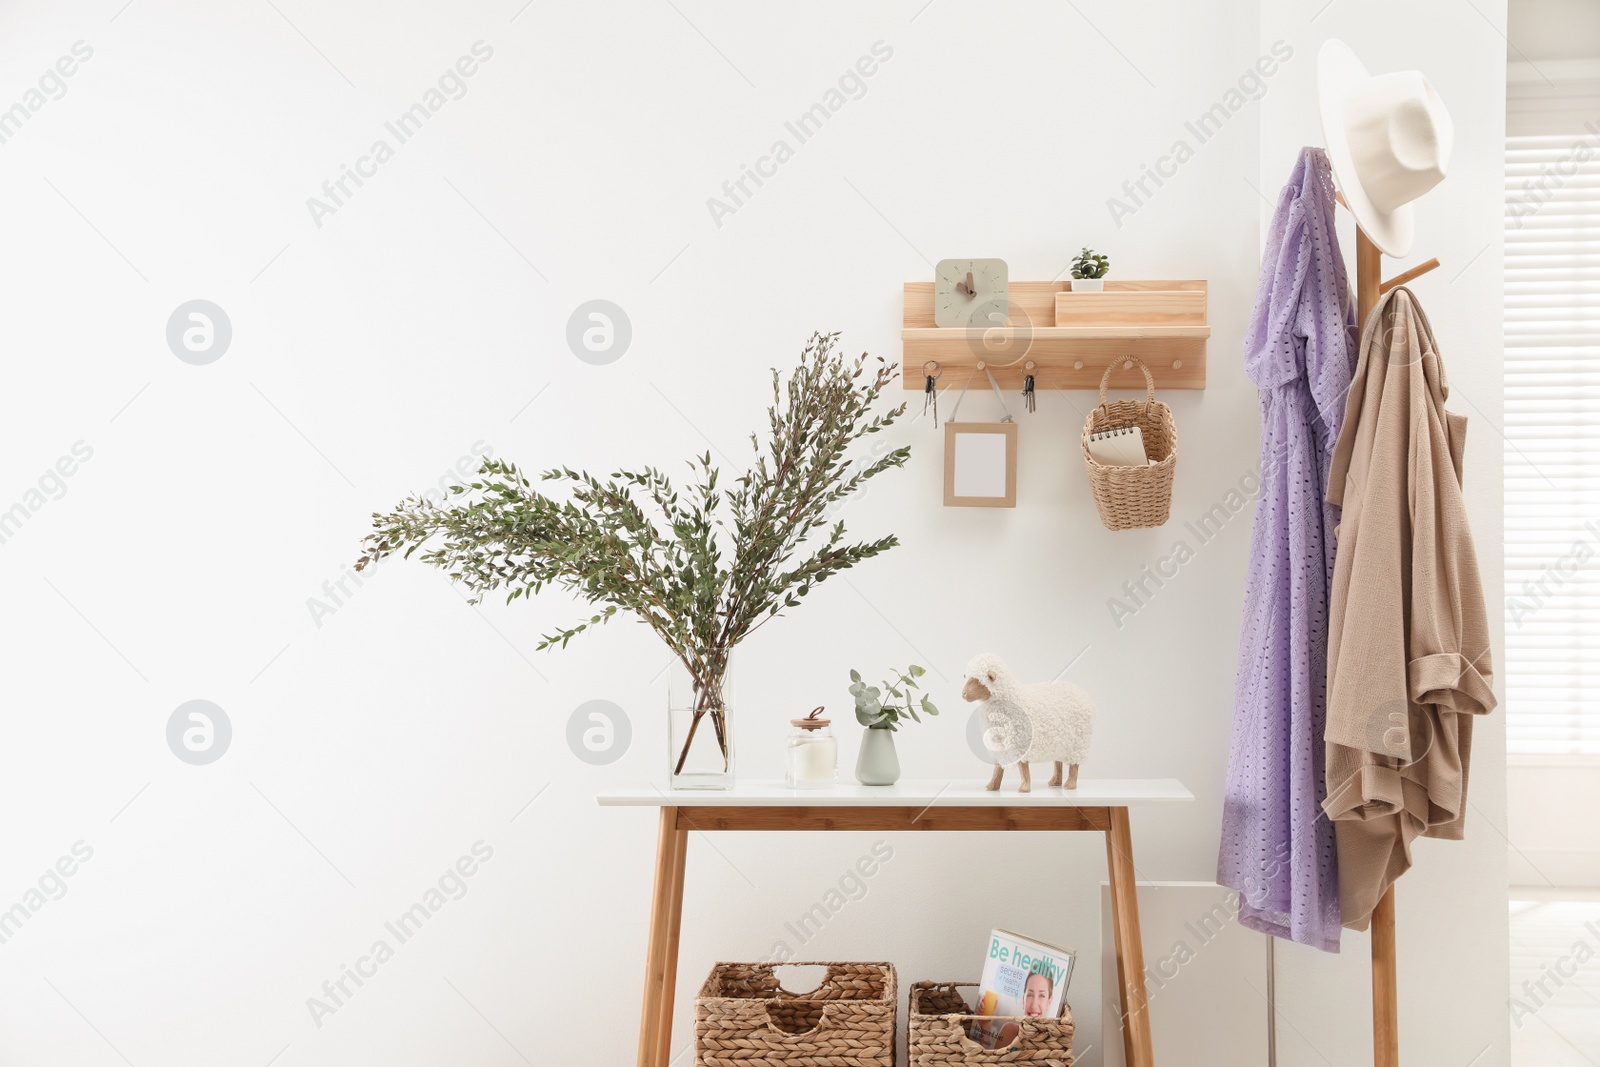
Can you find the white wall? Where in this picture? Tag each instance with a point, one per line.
(1452, 906)
(1206, 977)
(369, 354)
(1551, 30)
(1549, 850)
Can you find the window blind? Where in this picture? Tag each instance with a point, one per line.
(1552, 417)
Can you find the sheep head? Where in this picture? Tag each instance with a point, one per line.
(985, 675)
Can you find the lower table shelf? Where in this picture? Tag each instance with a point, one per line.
(769, 807)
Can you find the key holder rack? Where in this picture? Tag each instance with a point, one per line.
(1065, 339)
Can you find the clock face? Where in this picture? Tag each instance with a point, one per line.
(964, 289)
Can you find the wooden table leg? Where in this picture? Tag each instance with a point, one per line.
(661, 958)
(680, 854)
(1136, 1045)
(1385, 990)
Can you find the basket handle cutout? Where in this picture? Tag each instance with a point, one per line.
(801, 973)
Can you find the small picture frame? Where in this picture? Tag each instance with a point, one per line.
(980, 464)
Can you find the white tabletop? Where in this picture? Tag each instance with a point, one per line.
(1091, 793)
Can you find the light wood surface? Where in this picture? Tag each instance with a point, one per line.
(1136, 1045)
(932, 818)
(1409, 275)
(1385, 974)
(1000, 334)
(1156, 307)
(669, 961)
(1369, 277)
(661, 954)
(1063, 356)
(1385, 985)
(1036, 301)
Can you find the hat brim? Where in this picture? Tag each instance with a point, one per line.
(1339, 71)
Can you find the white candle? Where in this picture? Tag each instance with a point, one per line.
(813, 761)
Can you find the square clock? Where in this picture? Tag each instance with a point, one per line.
(970, 293)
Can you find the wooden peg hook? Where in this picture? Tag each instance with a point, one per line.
(1411, 275)
(1405, 276)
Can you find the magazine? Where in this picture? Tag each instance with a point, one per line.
(1021, 976)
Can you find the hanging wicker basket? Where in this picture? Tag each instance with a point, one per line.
(1132, 496)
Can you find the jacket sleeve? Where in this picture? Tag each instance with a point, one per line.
(1449, 659)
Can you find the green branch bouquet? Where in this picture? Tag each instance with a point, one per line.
(703, 568)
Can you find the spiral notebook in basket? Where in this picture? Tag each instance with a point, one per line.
(1119, 446)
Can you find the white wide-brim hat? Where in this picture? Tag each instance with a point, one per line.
(1388, 138)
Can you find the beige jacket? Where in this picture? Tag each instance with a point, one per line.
(1408, 643)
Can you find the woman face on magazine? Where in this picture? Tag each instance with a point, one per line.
(1036, 994)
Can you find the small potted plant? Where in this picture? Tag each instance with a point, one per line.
(881, 709)
(1089, 271)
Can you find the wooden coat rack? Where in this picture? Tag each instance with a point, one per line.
(1370, 287)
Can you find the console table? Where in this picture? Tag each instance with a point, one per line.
(1098, 805)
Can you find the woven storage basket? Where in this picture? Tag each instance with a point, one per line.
(936, 1032)
(1130, 497)
(744, 1017)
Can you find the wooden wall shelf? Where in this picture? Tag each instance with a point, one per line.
(1162, 322)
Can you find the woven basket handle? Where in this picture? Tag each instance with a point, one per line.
(1149, 381)
(779, 1038)
(1024, 1044)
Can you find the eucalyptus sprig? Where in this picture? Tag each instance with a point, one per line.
(884, 707)
(703, 568)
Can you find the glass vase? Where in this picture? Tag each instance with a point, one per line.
(699, 742)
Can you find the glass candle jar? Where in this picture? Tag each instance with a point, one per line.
(811, 753)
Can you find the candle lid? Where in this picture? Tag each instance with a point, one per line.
(811, 722)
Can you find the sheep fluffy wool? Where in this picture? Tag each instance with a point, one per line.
(1048, 721)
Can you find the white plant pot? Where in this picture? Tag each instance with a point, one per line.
(877, 763)
(1088, 285)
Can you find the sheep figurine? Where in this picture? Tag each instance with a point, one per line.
(1029, 723)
